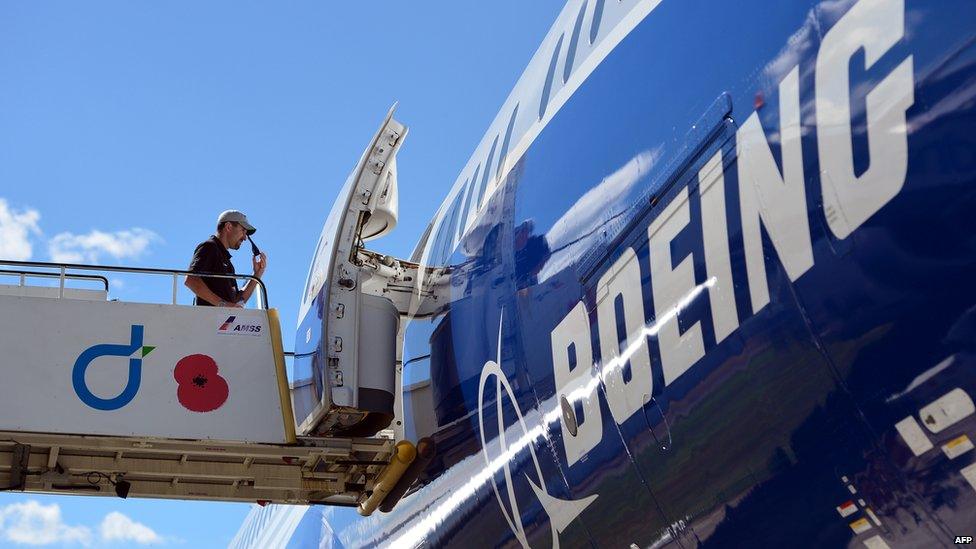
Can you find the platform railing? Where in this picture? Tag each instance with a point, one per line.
(19, 268)
(24, 275)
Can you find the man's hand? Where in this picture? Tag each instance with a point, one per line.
(260, 262)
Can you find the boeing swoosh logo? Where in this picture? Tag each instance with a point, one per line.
(561, 512)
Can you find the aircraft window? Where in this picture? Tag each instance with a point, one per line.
(573, 41)
(434, 246)
(595, 25)
(421, 244)
(451, 229)
(435, 241)
(547, 89)
(444, 240)
(463, 213)
(505, 143)
(484, 180)
(466, 210)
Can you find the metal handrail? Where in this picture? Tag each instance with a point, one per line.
(63, 267)
(40, 274)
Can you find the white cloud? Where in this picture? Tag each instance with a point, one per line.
(118, 527)
(87, 248)
(31, 523)
(15, 230)
(17, 227)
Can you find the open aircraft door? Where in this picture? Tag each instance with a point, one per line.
(346, 347)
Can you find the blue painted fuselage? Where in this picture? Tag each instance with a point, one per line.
(719, 299)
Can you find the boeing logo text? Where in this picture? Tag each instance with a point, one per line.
(771, 200)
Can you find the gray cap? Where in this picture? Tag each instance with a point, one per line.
(237, 217)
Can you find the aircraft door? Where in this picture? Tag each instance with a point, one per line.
(346, 343)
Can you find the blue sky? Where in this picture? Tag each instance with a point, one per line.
(126, 127)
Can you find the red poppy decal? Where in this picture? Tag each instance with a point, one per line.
(201, 389)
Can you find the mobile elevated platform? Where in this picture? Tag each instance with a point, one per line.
(153, 400)
(163, 400)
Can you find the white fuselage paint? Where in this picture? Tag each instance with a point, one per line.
(770, 199)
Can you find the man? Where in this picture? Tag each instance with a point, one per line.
(211, 256)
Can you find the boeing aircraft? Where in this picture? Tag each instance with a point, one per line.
(707, 280)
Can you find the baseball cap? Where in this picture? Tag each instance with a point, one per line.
(237, 217)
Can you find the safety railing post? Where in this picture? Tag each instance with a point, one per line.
(175, 278)
(61, 284)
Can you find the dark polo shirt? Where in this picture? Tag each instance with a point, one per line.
(211, 256)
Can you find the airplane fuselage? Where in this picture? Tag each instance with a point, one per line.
(710, 283)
